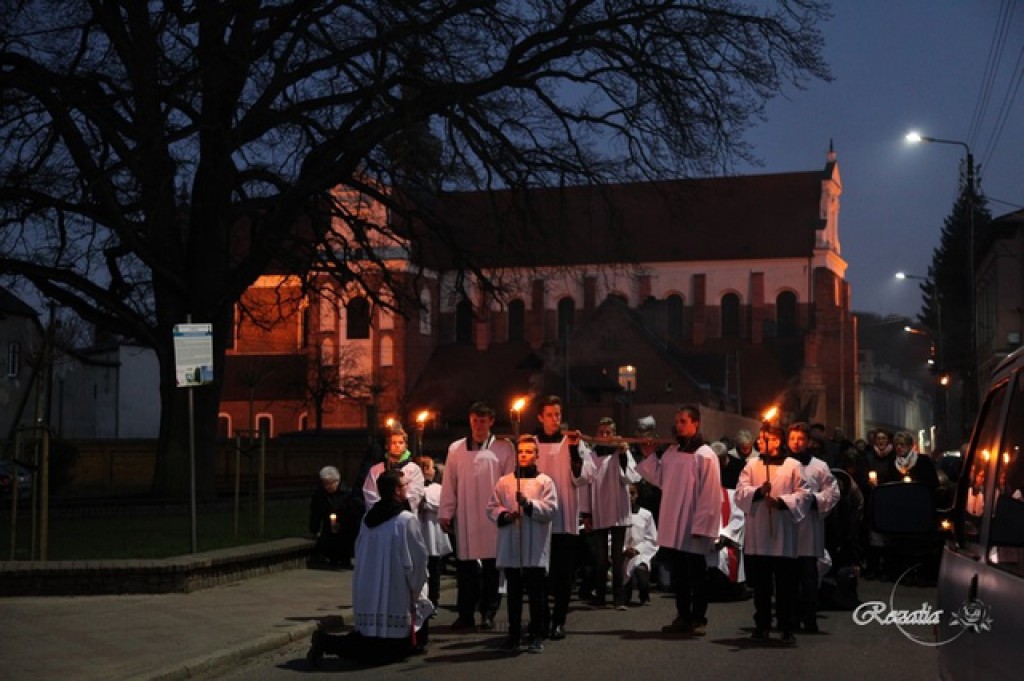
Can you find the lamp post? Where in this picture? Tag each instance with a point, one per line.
(971, 383)
(938, 338)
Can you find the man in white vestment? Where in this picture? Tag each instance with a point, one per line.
(810, 550)
(773, 494)
(389, 596)
(569, 464)
(398, 458)
(474, 466)
(689, 517)
(640, 547)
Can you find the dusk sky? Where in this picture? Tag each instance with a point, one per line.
(900, 65)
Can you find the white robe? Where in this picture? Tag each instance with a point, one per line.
(642, 535)
(436, 539)
(554, 460)
(772, 531)
(532, 531)
(390, 578)
(824, 490)
(412, 476)
(691, 497)
(733, 529)
(606, 498)
(469, 480)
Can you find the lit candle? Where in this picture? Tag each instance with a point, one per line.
(334, 522)
(907, 478)
(873, 477)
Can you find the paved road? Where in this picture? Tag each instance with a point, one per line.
(608, 644)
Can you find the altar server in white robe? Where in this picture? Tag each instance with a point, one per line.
(523, 505)
(689, 517)
(389, 598)
(606, 501)
(472, 469)
(640, 548)
(398, 458)
(773, 494)
(569, 464)
(438, 544)
(810, 550)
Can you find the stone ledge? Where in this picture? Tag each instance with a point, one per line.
(178, 574)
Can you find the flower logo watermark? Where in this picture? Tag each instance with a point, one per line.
(972, 615)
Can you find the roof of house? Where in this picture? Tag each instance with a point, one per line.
(11, 304)
(727, 218)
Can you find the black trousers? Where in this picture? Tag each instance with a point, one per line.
(642, 578)
(768, 574)
(477, 583)
(533, 580)
(690, 582)
(597, 541)
(434, 579)
(807, 590)
(562, 573)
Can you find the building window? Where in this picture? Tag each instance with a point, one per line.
(303, 421)
(426, 312)
(13, 359)
(785, 314)
(387, 351)
(223, 426)
(517, 320)
(357, 319)
(674, 316)
(463, 322)
(730, 315)
(566, 317)
(265, 425)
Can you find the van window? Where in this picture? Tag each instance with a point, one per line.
(1006, 532)
(985, 446)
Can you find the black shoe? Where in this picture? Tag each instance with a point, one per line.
(315, 655)
(760, 636)
(788, 639)
(535, 645)
(678, 626)
(463, 624)
(487, 624)
(810, 628)
(511, 644)
(557, 633)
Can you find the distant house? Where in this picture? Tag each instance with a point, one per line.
(109, 391)
(726, 291)
(21, 337)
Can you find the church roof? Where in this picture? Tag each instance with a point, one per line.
(727, 218)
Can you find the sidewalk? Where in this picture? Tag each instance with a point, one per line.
(165, 636)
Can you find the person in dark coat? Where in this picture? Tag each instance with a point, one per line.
(334, 515)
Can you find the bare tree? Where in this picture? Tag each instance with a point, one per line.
(159, 156)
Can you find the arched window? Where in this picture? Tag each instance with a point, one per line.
(387, 351)
(463, 322)
(265, 425)
(426, 312)
(223, 426)
(357, 319)
(674, 314)
(303, 421)
(730, 315)
(785, 314)
(517, 320)
(566, 317)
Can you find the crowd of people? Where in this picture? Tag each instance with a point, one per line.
(779, 517)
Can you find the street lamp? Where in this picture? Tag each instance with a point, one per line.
(971, 387)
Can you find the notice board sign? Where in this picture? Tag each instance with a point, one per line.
(193, 354)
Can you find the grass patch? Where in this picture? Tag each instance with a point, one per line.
(129, 534)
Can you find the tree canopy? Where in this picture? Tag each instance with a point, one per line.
(158, 155)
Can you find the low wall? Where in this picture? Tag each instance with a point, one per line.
(180, 574)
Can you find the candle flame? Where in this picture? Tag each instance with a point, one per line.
(519, 404)
(770, 413)
(422, 417)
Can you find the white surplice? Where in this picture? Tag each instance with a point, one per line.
(824, 491)
(642, 535)
(691, 497)
(729, 558)
(389, 582)
(606, 498)
(438, 543)
(555, 461)
(772, 531)
(533, 530)
(412, 476)
(469, 480)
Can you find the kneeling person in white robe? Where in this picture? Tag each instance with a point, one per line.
(389, 595)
